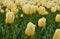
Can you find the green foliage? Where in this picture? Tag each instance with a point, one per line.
(17, 30)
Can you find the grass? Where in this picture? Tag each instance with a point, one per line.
(17, 30)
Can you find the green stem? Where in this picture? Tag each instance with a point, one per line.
(29, 37)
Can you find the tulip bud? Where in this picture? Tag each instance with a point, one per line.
(2, 11)
(33, 9)
(56, 34)
(26, 9)
(58, 8)
(22, 4)
(57, 18)
(21, 15)
(7, 10)
(0, 2)
(11, 5)
(41, 10)
(42, 22)
(30, 30)
(17, 2)
(5, 3)
(32, 2)
(48, 5)
(29, 9)
(53, 9)
(14, 10)
(9, 18)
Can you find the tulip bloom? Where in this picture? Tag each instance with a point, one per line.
(17, 2)
(41, 10)
(9, 18)
(14, 10)
(11, 5)
(56, 34)
(57, 18)
(49, 5)
(2, 11)
(29, 9)
(7, 10)
(30, 30)
(0, 2)
(53, 9)
(58, 8)
(42, 22)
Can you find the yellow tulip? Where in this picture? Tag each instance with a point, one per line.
(2, 11)
(53, 9)
(58, 8)
(57, 18)
(32, 2)
(26, 8)
(22, 4)
(0, 2)
(17, 2)
(0, 7)
(14, 10)
(33, 9)
(11, 5)
(48, 5)
(29, 9)
(30, 30)
(56, 34)
(42, 22)
(38, 4)
(7, 10)
(5, 3)
(9, 18)
(41, 10)
(13, 0)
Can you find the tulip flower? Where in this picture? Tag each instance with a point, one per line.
(7, 10)
(57, 18)
(0, 2)
(42, 22)
(22, 4)
(17, 2)
(29, 9)
(9, 18)
(11, 5)
(53, 9)
(41, 10)
(2, 11)
(56, 34)
(48, 5)
(58, 8)
(14, 10)
(5, 3)
(30, 30)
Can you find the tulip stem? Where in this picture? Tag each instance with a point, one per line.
(9, 24)
(29, 37)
